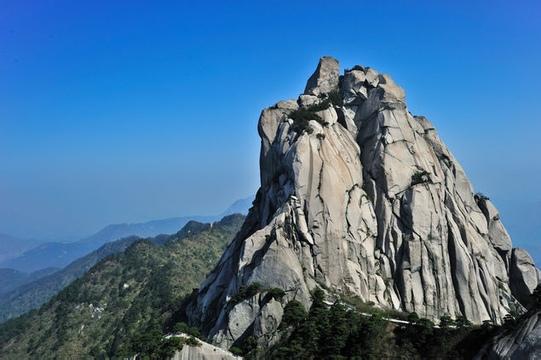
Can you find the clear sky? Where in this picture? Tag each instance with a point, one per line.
(124, 111)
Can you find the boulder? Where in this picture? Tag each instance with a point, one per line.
(325, 79)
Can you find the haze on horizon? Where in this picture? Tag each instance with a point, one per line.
(131, 112)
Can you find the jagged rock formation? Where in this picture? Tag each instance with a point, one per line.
(359, 196)
(520, 344)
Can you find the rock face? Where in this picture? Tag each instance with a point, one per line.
(359, 196)
(524, 275)
(524, 343)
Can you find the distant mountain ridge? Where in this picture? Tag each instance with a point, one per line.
(21, 292)
(59, 255)
(240, 206)
(11, 246)
(31, 295)
(11, 279)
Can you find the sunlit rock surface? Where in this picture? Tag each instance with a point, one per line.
(361, 198)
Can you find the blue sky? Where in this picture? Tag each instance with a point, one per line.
(135, 110)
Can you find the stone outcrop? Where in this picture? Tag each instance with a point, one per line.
(359, 196)
(204, 351)
(524, 275)
(325, 79)
(523, 343)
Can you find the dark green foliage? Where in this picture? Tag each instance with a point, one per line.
(320, 106)
(536, 298)
(247, 347)
(318, 298)
(182, 327)
(342, 332)
(169, 346)
(462, 322)
(302, 116)
(369, 338)
(294, 314)
(413, 318)
(330, 333)
(152, 344)
(250, 348)
(466, 343)
(15, 327)
(510, 321)
(446, 322)
(236, 351)
(369, 308)
(419, 177)
(192, 341)
(246, 292)
(487, 324)
(335, 98)
(276, 293)
(425, 323)
(418, 336)
(454, 339)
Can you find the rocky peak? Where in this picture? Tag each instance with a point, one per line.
(325, 79)
(360, 197)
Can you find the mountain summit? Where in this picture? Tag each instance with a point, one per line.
(360, 197)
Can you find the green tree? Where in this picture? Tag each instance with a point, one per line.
(294, 313)
(413, 318)
(334, 336)
(446, 322)
(462, 322)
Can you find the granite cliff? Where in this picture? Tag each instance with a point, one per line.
(360, 197)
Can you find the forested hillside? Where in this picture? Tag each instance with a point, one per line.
(113, 308)
(35, 293)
